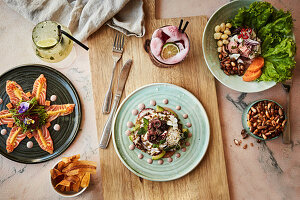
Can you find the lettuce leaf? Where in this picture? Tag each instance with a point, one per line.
(286, 48)
(259, 14)
(274, 28)
(277, 69)
(279, 61)
(240, 18)
(282, 25)
(256, 16)
(269, 72)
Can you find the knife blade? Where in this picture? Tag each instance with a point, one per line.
(121, 84)
(123, 77)
(286, 137)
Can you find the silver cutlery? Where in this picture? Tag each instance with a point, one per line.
(121, 84)
(116, 56)
(286, 138)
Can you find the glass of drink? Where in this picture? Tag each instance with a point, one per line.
(48, 44)
(169, 46)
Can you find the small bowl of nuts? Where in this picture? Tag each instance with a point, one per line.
(264, 119)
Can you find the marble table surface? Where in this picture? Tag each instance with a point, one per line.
(268, 170)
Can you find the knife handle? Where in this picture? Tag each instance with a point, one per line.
(107, 127)
(286, 137)
(108, 95)
(107, 101)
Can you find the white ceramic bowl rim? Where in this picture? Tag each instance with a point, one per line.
(61, 193)
(272, 83)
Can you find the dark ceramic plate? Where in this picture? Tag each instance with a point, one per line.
(57, 84)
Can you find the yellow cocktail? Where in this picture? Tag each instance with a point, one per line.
(49, 45)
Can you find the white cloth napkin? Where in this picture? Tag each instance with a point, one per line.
(84, 17)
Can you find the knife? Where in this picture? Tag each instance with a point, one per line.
(286, 137)
(121, 84)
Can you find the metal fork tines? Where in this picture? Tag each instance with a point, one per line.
(118, 43)
(116, 56)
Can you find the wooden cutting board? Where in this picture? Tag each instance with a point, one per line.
(209, 179)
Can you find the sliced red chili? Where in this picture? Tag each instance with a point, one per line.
(245, 36)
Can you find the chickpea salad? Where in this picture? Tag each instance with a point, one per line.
(257, 44)
(158, 132)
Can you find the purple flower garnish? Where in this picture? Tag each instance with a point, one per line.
(23, 107)
(28, 121)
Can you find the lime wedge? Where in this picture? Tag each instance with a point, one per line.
(169, 50)
(159, 156)
(50, 42)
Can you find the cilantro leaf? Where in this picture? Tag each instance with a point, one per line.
(141, 131)
(162, 141)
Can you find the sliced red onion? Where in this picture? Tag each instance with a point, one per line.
(251, 42)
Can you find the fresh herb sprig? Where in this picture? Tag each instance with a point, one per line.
(34, 109)
(143, 129)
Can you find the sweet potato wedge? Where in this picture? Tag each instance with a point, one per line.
(10, 125)
(28, 94)
(256, 65)
(64, 182)
(47, 103)
(75, 186)
(48, 124)
(70, 159)
(9, 106)
(60, 165)
(85, 180)
(81, 170)
(251, 76)
(55, 173)
(72, 174)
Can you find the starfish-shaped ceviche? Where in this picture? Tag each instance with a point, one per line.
(30, 114)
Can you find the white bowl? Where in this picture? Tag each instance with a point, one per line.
(65, 194)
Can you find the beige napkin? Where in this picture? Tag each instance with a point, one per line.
(84, 17)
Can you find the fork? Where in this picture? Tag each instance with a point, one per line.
(286, 138)
(116, 56)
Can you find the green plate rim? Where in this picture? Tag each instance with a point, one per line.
(115, 145)
(79, 112)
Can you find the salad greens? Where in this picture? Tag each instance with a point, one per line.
(144, 129)
(274, 28)
(34, 113)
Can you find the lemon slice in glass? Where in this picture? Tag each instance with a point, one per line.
(169, 50)
(47, 43)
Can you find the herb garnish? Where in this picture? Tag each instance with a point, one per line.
(143, 129)
(162, 141)
(29, 115)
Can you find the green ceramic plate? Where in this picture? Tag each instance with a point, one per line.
(57, 84)
(226, 12)
(197, 117)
